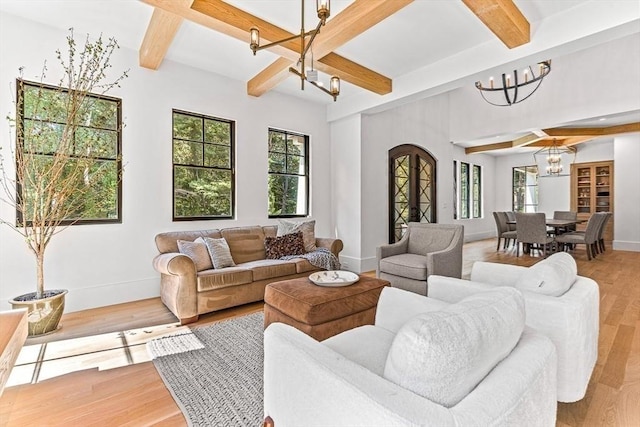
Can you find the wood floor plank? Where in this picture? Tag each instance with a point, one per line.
(614, 369)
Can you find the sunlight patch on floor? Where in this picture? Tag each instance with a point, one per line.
(39, 362)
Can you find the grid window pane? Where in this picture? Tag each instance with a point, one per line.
(525, 188)
(203, 178)
(93, 152)
(288, 174)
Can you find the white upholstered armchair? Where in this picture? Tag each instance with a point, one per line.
(559, 304)
(425, 249)
(490, 372)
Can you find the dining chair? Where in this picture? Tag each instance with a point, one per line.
(531, 230)
(589, 237)
(503, 230)
(511, 216)
(569, 215)
(604, 218)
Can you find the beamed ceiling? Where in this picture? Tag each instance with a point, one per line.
(376, 47)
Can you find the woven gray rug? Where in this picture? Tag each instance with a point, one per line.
(215, 372)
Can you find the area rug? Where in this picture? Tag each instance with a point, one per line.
(215, 372)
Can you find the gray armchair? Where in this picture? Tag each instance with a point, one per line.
(425, 249)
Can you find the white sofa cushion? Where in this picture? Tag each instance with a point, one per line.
(367, 346)
(443, 355)
(552, 276)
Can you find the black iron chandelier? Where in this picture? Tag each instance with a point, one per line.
(323, 8)
(514, 88)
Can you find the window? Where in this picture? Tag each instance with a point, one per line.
(525, 189)
(467, 183)
(95, 143)
(288, 174)
(476, 191)
(203, 167)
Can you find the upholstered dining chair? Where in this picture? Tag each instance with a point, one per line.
(568, 215)
(511, 216)
(503, 230)
(603, 224)
(589, 238)
(531, 229)
(424, 249)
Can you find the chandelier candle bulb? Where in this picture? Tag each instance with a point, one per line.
(491, 82)
(254, 40)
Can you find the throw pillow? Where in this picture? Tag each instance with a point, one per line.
(197, 251)
(443, 355)
(289, 244)
(552, 276)
(219, 252)
(307, 228)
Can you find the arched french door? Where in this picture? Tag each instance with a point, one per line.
(412, 188)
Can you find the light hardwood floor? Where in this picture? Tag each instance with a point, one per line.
(134, 394)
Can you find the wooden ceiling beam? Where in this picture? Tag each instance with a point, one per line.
(488, 147)
(356, 18)
(160, 33)
(504, 19)
(275, 73)
(601, 131)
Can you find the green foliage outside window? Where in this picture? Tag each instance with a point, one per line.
(91, 152)
(288, 174)
(202, 167)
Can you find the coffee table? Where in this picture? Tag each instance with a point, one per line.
(322, 312)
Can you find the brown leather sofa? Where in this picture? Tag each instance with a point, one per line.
(189, 293)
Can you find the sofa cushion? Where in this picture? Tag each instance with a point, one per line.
(367, 345)
(219, 252)
(308, 231)
(246, 243)
(197, 251)
(552, 276)
(222, 278)
(303, 265)
(289, 244)
(443, 355)
(407, 265)
(270, 268)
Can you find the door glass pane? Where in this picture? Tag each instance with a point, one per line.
(401, 196)
(425, 190)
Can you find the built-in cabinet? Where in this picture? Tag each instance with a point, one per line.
(592, 191)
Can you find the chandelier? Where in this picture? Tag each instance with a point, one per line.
(554, 155)
(323, 8)
(514, 88)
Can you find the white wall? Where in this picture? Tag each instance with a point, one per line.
(599, 81)
(107, 264)
(346, 179)
(626, 202)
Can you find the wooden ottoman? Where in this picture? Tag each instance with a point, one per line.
(322, 312)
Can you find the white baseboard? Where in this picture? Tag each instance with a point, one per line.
(621, 245)
(358, 265)
(112, 293)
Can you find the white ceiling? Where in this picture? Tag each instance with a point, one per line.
(423, 34)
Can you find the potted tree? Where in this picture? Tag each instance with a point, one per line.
(57, 167)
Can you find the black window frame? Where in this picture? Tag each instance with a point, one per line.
(307, 174)
(525, 170)
(465, 181)
(476, 196)
(20, 85)
(231, 168)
